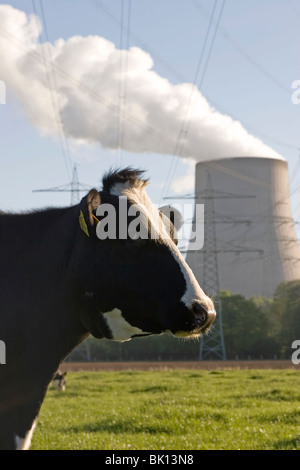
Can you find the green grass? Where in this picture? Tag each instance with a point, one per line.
(182, 409)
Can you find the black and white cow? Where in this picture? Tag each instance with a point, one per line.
(59, 381)
(60, 281)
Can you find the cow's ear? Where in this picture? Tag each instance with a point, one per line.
(87, 205)
(93, 201)
(173, 214)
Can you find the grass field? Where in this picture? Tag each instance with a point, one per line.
(174, 409)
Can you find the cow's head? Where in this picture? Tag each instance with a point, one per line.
(135, 281)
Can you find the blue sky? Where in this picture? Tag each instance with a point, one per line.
(252, 64)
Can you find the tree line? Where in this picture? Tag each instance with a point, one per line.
(255, 328)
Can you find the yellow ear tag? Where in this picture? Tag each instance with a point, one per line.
(82, 224)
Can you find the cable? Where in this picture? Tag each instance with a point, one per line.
(111, 106)
(100, 5)
(53, 91)
(157, 134)
(119, 117)
(186, 120)
(123, 82)
(295, 10)
(246, 55)
(211, 45)
(182, 132)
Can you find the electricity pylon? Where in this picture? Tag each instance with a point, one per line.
(74, 187)
(211, 345)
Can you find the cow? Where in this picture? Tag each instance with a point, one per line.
(62, 279)
(59, 381)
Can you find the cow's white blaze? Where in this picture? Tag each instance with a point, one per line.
(121, 330)
(137, 195)
(193, 290)
(23, 443)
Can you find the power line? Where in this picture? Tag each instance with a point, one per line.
(119, 115)
(227, 36)
(212, 44)
(246, 55)
(155, 133)
(53, 89)
(250, 127)
(295, 10)
(130, 33)
(111, 106)
(133, 35)
(123, 77)
(187, 120)
(99, 4)
(62, 128)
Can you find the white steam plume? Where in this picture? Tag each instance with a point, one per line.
(77, 82)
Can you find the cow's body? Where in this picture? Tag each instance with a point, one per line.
(39, 318)
(58, 284)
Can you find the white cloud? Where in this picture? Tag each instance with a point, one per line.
(78, 82)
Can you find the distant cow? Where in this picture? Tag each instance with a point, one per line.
(62, 279)
(59, 381)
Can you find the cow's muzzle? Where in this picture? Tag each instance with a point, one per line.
(204, 316)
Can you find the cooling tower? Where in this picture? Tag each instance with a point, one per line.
(250, 218)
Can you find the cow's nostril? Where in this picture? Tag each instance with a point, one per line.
(200, 312)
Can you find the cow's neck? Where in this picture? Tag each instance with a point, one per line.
(37, 248)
